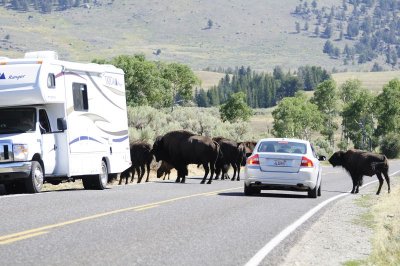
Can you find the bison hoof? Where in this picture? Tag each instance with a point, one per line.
(202, 182)
(209, 182)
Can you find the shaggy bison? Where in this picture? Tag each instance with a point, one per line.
(140, 156)
(164, 169)
(249, 147)
(360, 163)
(232, 154)
(180, 148)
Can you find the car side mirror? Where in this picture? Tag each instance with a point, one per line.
(61, 124)
(321, 158)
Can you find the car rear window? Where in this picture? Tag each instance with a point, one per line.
(282, 147)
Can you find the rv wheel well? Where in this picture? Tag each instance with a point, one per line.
(37, 158)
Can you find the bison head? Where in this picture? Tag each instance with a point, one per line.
(337, 158)
(158, 149)
(160, 172)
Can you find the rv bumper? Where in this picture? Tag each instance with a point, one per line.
(17, 170)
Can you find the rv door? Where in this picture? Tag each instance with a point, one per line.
(49, 146)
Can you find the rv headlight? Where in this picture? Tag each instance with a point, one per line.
(20, 152)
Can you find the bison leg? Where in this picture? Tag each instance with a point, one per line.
(355, 183)
(238, 172)
(148, 171)
(234, 172)
(379, 175)
(217, 172)
(133, 169)
(206, 170)
(179, 174)
(141, 173)
(212, 173)
(387, 180)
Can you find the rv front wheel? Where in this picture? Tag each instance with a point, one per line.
(34, 183)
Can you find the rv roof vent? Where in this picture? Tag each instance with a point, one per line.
(42, 55)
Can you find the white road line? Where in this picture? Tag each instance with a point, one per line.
(262, 253)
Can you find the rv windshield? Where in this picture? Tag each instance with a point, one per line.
(17, 120)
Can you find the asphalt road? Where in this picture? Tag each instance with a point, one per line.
(158, 223)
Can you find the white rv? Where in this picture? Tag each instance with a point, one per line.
(61, 121)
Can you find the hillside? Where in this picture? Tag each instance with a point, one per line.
(257, 33)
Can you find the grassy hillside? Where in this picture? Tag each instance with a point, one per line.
(257, 33)
(373, 81)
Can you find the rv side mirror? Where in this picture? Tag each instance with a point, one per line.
(61, 124)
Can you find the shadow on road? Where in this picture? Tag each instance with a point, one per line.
(264, 195)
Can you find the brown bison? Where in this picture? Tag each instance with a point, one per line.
(360, 163)
(232, 154)
(164, 169)
(181, 148)
(141, 156)
(249, 147)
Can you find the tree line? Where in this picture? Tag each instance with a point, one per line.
(333, 117)
(348, 114)
(371, 26)
(44, 6)
(262, 90)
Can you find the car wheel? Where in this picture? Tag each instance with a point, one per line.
(248, 191)
(312, 193)
(34, 183)
(319, 190)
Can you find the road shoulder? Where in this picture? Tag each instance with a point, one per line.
(339, 235)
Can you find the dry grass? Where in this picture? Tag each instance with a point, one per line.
(386, 240)
(373, 81)
(255, 33)
(209, 79)
(383, 216)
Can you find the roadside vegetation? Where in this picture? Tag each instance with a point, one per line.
(383, 216)
(163, 97)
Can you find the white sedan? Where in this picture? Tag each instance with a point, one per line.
(283, 164)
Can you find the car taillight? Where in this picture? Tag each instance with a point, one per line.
(306, 162)
(253, 160)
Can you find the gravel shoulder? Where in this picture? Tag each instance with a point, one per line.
(341, 233)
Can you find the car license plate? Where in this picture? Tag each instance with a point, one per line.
(280, 162)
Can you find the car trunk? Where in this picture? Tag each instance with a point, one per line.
(272, 162)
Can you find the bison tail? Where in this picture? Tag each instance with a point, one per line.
(219, 152)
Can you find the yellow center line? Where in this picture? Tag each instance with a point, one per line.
(22, 237)
(146, 208)
(99, 215)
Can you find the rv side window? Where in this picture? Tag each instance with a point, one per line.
(44, 122)
(51, 81)
(80, 97)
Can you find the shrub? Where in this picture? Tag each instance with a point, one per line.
(390, 145)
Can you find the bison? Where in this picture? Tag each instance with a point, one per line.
(360, 163)
(181, 148)
(141, 156)
(164, 169)
(249, 147)
(232, 154)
